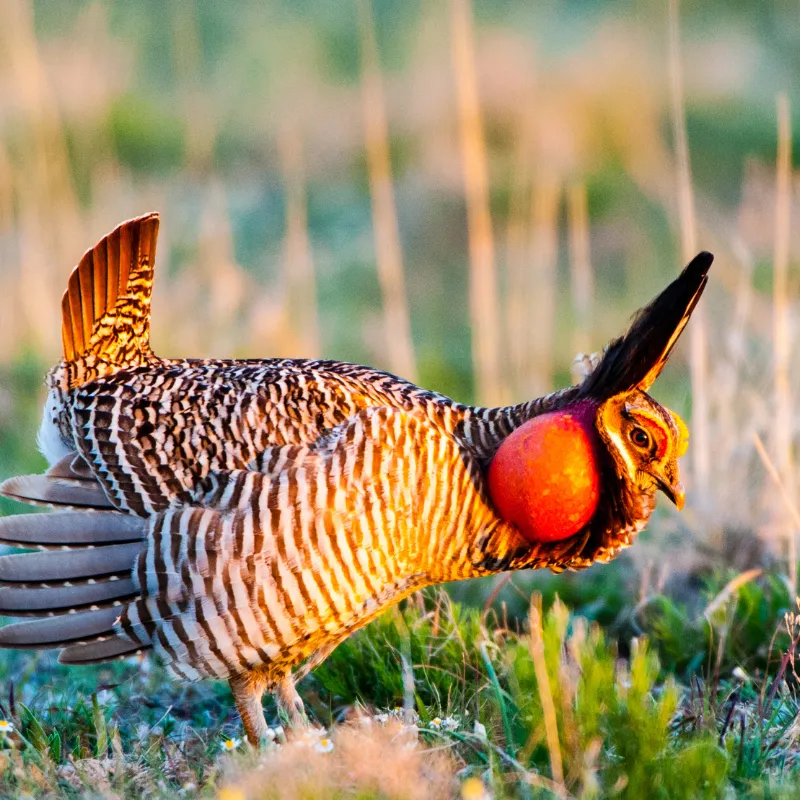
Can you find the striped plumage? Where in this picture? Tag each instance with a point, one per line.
(244, 516)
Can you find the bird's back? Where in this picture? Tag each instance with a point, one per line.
(151, 433)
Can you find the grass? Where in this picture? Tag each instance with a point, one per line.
(436, 694)
(532, 142)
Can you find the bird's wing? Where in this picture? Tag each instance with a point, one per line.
(150, 441)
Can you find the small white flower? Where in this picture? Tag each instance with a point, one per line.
(435, 724)
(270, 735)
(741, 675)
(105, 696)
(450, 723)
(6, 727)
(324, 745)
(187, 787)
(382, 718)
(407, 736)
(300, 741)
(479, 729)
(310, 737)
(229, 745)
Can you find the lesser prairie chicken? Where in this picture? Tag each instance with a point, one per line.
(243, 517)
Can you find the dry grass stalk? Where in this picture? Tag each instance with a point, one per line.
(384, 213)
(545, 695)
(781, 336)
(729, 590)
(581, 277)
(541, 327)
(298, 274)
(483, 281)
(47, 207)
(225, 280)
(772, 471)
(698, 335)
(517, 268)
(6, 191)
(187, 59)
(735, 496)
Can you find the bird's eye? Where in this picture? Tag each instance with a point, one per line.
(641, 438)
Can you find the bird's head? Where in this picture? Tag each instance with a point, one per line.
(588, 470)
(645, 441)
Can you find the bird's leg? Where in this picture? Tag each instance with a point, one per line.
(290, 703)
(313, 662)
(248, 690)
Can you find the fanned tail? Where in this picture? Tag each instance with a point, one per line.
(106, 308)
(77, 589)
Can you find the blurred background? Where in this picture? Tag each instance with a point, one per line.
(466, 195)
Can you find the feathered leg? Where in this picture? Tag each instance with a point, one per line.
(290, 702)
(248, 689)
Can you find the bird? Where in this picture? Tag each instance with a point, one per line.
(242, 518)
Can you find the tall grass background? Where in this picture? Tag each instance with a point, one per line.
(466, 194)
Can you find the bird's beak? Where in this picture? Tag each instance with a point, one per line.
(674, 491)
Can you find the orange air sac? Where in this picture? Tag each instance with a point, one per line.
(545, 475)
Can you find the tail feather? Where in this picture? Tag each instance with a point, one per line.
(72, 565)
(72, 466)
(62, 529)
(56, 492)
(106, 308)
(102, 650)
(83, 626)
(25, 601)
(77, 588)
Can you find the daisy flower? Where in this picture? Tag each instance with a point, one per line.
(6, 727)
(324, 745)
(435, 724)
(270, 735)
(229, 745)
(450, 723)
